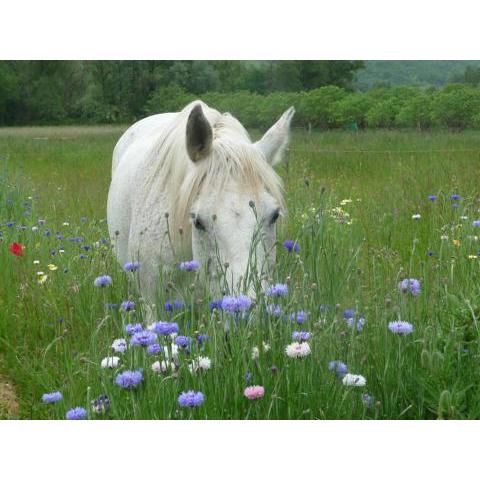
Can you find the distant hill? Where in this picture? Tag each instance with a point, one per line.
(410, 72)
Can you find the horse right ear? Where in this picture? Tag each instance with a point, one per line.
(199, 134)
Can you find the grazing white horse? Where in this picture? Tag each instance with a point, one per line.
(192, 185)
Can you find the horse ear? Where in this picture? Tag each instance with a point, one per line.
(199, 134)
(274, 143)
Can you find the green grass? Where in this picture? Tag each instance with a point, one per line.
(53, 336)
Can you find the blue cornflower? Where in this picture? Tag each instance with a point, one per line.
(77, 413)
(410, 285)
(202, 338)
(432, 198)
(154, 348)
(103, 281)
(53, 397)
(291, 246)
(83, 257)
(300, 336)
(190, 265)
(277, 290)
(367, 400)
(143, 339)
(47, 233)
(10, 224)
(127, 305)
(348, 313)
(182, 341)
(236, 304)
(476, 223)
(131, 266)
(339, 367)
(215, 304)
(101, 404)
(132, 328)
(165, 328)
(191, 399)
(354, 322)
(86, 247)
(455, 197)
(59, 236)
(400, 327)
(75, 239)
(129, 379)
(274, 310)
(430, 253)
(248, 377)
(176, 304)
(299, 317)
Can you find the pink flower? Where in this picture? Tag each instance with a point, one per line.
(254, 392)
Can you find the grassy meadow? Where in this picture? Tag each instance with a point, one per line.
(350, 198)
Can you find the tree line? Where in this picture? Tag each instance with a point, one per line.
(255, 92)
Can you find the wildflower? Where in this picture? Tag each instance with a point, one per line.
(472, 257)
(77, 413)
(101, 404)
(299, 317)
(236, 304)
(189, 266)
(410, 285)
(131, 266)
(432, 198)
(265, 346)
(291, 246)
(52, 267)
(352, 322)
(191, 399)
(163, 366)
(254, 392)
(165, 328)
(174, 350)
(201, 363)
(400, 327)
(444, 237)
(177, 304)
(349, 313)
(255, 353)
(17, 249)
(274, 310)
(455, 197)
(143, 338)
(215, 305)
(43, 278)
(300, 336)
(110, 362)
(456, 242)
(103, 281)
(351, 380)
(34, 228)
(277, 290)
(416, 216)
(202, 338)
(129, 379)
(298, 350)
(132, 328)
(119, 345)
(153, 349)
(36, 262)
(476, 223)
(248, 377)
(339, 367)
(345, 201)
(367, 400)
(65, 224)
(127, 305)
(53, 397)
(182, 341)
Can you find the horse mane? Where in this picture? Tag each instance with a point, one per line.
(232, 157)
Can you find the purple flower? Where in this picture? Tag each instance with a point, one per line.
(400, 327)
(182, 341)
(53, 397)
(191, 399)
(367, 400)
(277, 290)
(129, 379)
(127, 305)
(143, 338)
(348, 313)
(103, 281)
(101, 404)
(77, 413)
(165, 328)
(476, 223)
(274, 310)
(236, 304)
(411, 285)
(291, 246)
(190, 265)
(432, 198)
(131, 266)
(299, 317)
(215, 305)
(455, 197)
(339, 367)
(300, 336)
(358, 323)
(202, 338)
(154, 348)
(132, 328)
(177, 304)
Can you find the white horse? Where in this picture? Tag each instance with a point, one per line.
(192, 185)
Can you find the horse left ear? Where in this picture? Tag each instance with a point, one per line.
(274, 143)
(199, 134)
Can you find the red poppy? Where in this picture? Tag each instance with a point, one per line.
(16, 249)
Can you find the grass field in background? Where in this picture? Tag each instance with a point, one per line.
(350, 199)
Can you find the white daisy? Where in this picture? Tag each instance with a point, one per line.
(298, 350)
(351, 380)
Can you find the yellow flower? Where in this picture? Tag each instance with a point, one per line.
(456, 242)
(42, 279)
(52, 267)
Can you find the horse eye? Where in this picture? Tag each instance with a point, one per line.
(275, 216)
(199, 225)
